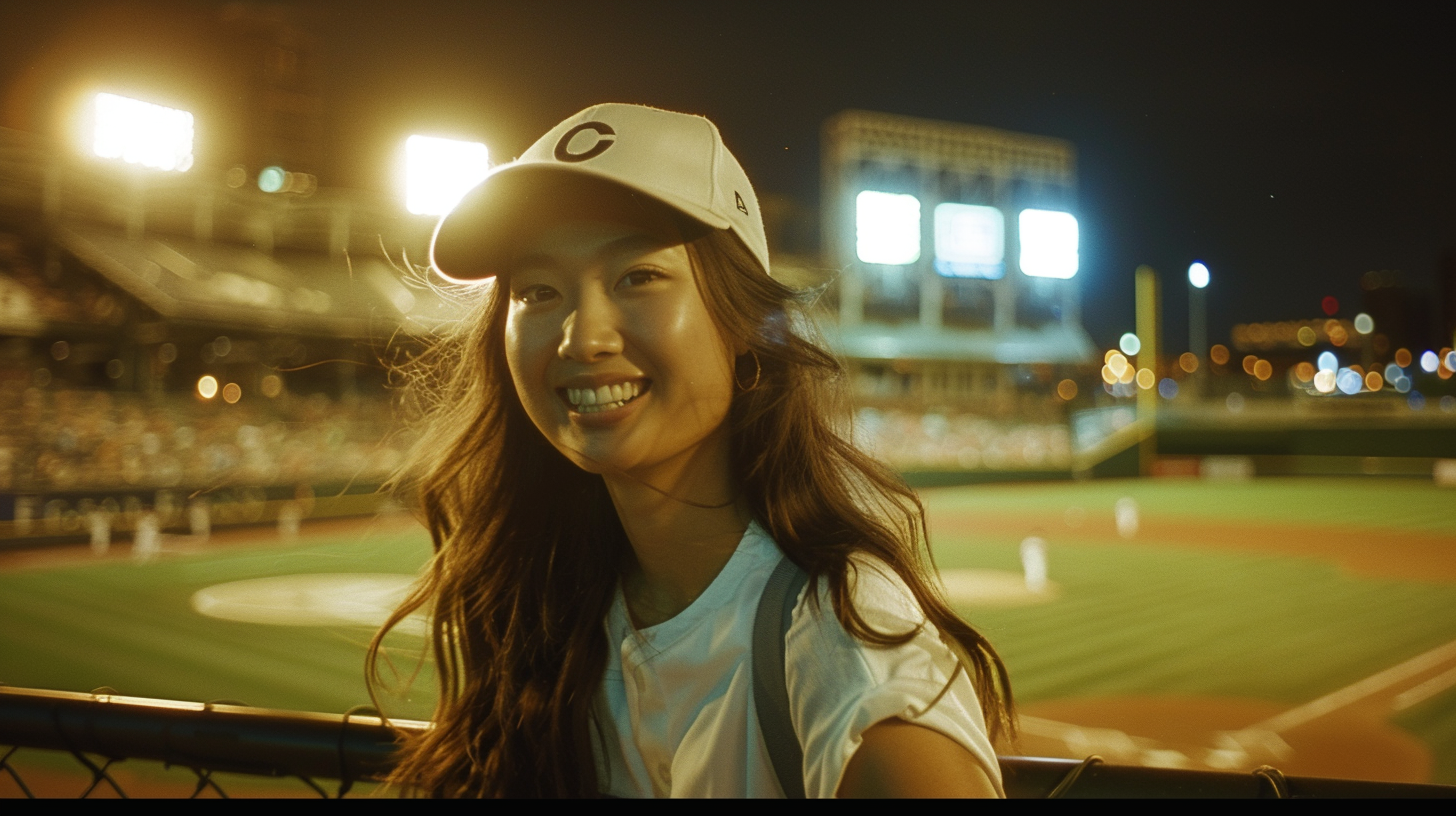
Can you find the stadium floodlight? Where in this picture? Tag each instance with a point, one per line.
(970, 241)
(138, 132)
(439, 171)
(1048, 243)
(1198, 275)
(886, 228)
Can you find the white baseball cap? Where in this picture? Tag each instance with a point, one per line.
(676, 158)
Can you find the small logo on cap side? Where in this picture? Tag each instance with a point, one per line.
(607, 137)
(738, 199)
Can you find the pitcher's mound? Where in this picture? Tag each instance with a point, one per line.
(1000, 588)
(340, 599)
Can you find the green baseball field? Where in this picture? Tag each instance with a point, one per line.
(1306, 623)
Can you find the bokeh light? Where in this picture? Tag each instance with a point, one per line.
(1249, 361)
(1146, 378)
(1330, 305)
(271, 386)
(207, 386)
(1328, 361)
(1429, 362)
(1373, 381)
(1364, 323)
(1451, 360)
(1129, 343)
(1324, 381)
(1198, 275)
(1219, 354)
(1306, 336)
(1188, 361)
(1263, 369)
(1336, 332)
(1107, 358)
(1167, 388)
(887, 228)
(1067, 390)
(231, 393)
(1349, 382)
(1403, 357)
(1304, 372)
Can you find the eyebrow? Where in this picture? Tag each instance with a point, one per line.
(636, 242)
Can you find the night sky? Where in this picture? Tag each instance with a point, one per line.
(1290, 149)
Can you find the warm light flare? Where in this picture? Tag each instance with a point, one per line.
(207, 386)
(138, 132)
(439, 171)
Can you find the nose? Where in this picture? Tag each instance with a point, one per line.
(589, 332)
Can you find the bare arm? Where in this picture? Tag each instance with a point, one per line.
(900, 760)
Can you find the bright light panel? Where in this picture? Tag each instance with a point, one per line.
(439, 171)
(139, 132)
(887, 228)
(1048, 243)
(970, 241)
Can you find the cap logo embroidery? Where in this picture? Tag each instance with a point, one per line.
(607, 138)
(738, 199)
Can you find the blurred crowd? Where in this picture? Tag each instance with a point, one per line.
(73, 440)
(912, 440)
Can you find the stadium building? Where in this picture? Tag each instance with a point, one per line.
(956, 253)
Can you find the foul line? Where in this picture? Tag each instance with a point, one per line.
(1354, 692)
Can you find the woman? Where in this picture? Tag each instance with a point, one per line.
(627, 437)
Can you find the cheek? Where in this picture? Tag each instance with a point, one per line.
(527, 355)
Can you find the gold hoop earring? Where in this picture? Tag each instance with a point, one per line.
(757, 372)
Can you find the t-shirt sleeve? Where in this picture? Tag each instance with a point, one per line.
(839, 686)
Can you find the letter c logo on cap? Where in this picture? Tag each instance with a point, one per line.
(607, 137)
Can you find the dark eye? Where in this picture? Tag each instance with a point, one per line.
(539, 293)
(638, 277)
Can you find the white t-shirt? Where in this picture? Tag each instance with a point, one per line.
(676, 714)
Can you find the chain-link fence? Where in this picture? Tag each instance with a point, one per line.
(64, 744)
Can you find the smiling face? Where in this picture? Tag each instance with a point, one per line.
(611, 348)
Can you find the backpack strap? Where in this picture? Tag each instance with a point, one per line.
(770, 683)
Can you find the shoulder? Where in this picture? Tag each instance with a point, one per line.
(840, 686)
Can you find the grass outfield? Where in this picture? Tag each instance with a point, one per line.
(1153, 615)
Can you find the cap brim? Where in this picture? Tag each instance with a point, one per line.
(474, 241)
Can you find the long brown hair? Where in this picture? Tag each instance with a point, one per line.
(528, 547)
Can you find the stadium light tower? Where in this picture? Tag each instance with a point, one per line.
(141, 133)
(439, 171)
(1198, 280)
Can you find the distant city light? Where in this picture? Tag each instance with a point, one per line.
(1067, 389)
(1168, 388)
(1403, 357)
(1306, 336)
(887, 228)
(1328, 361)
(1330, 305)
(1146, 379)
(207, 386)
(272, 179)
(1393, 372)
(1048, 243)
(1324, 381)
(439, 171)
(1349, 382)
(231, 393)
(138, 132)
(970, 241)
(1219, 354)
(1364, 323)
(1373, 381)
(1188, 361)
(1129, 343)
(1430, 362)
(1198, 275)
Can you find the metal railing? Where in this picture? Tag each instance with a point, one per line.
(99, 730)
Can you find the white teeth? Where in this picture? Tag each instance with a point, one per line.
(603, 398)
